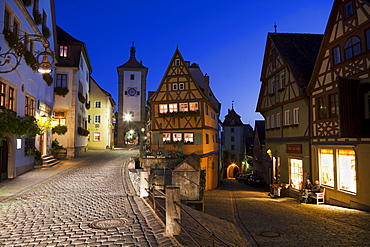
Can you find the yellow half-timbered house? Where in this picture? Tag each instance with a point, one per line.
(287, 67)
(340, 103)
(184, 116)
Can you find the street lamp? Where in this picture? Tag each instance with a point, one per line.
(19, 49)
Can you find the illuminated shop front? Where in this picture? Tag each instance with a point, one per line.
(337, 169)
(296, 173)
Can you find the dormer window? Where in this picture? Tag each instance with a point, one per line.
(177, 62)
(63, 50)
(181, 86)
(174, 86)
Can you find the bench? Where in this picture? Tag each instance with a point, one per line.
(319, 197)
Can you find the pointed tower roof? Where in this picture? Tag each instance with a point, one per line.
(132, 62)
(232, 118)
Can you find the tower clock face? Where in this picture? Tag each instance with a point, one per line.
(131, 91)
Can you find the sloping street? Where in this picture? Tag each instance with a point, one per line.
(88, 201)
(266, 221)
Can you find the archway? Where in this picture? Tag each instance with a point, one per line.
(131, 137)
(232, 170)
(4, 150)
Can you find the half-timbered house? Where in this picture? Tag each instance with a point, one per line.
(340, 103)
(287, 67)
(184, 116)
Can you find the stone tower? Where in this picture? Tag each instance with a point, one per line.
(131, 100)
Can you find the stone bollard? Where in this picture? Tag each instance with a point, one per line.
(144, 184)
(172, 211)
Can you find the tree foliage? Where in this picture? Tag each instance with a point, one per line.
(11, 123)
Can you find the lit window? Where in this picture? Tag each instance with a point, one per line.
(172, 107)
(296, 116)
(333, 99)
(352, 47)
(321, 104)
(60, 118)
(2, 94)
(63, 50)
(163, 108)
(193, 106)
(181, 86)
(184, 107)
(346, 166)
(97, 136)
(188, 137)
(177, 137)
(296, 173)
(11, 99)
(174, 86)
(97, 104)
(287, 117)
(326, 161)
(96, 119)
(336, 55)
(29, 108)
(166, 137)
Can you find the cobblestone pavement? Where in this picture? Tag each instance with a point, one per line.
(266, 221)
(87, 201)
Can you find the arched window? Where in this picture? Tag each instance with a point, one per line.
(352, 47)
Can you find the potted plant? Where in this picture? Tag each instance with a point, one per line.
(37, 17)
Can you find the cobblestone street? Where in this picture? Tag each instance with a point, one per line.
(266, 221)
(84, 202)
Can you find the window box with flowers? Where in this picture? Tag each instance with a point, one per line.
(88, 105)
(81, 98)
(59, 129)
(180, 114)
(61, 91)
(30, 59)
(37, 17)
(14, 42)
(82, 132)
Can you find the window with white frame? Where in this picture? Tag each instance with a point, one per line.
(181, 86)
(272, 121)
(177, 62)
(296, 115)
(61, 80)
(184, 107)
(176, 137)
(97, 104)
(166, 137)
(273, 86)
(172, 107)
(287, 117)
(30, 105)
(282, 80)
(96, 119)
(175, 86)
(96, 136)
(188, 137)
(193, 106)
(163, 108)
(278, 120)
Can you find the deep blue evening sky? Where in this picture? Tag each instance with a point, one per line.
(226, 38)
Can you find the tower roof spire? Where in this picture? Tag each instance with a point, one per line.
(132, 50)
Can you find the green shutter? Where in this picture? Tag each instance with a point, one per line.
(197, 138)
(155, 138)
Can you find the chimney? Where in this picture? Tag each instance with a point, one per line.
(206, 85)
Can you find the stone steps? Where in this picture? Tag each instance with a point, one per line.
(47, 161)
